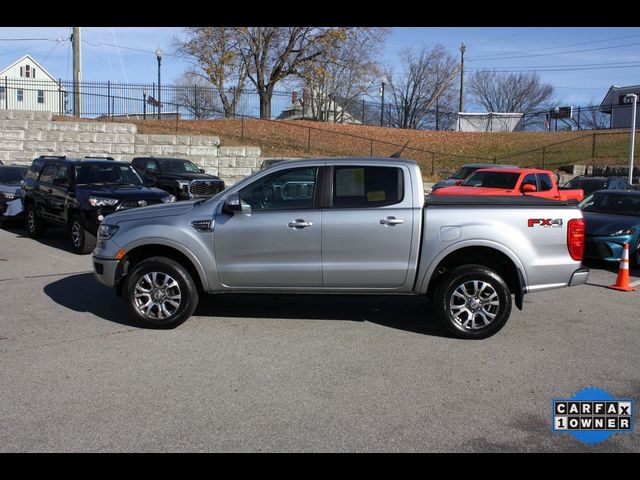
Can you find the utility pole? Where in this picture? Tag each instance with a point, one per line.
(633, 99)
(382, 103)
(461, 105)
(77, 71)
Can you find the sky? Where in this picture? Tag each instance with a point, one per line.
(581, 63)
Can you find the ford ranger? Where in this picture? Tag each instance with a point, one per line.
(514, 182)
(340, 226)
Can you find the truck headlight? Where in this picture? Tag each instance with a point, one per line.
(107, 231)
(169, 199)
(183, 185)
(102, 201)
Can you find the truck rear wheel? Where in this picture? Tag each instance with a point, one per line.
(473, 301)
(160, 293)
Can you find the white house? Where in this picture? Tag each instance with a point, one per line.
(615, 105)
(26, 85)
(316, 107)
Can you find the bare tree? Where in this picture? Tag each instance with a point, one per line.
(271, 54)
(510, 92)
(197, 96)
(594, 119)
(425, 76)
(344, 71)
(263, 55)
(215, 50)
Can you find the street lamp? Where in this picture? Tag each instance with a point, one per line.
(557, 110)
(144, 104)
(159, 57)
(633, 99)
(382, 101)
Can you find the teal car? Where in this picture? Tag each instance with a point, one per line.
(612, 218)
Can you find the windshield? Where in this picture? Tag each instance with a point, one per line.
(504, 180)
(463, 173)
(111, 173)
(12, 175)
(588, 186)
(179, 166)
(608, 203)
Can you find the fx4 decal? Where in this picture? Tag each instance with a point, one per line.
(545, 222)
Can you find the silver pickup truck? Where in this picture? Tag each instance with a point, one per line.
(342, 226)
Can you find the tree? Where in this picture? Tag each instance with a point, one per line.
(272, 54)
(197, 96)
(343, 72)
(425, 75)
(510, 92)
(215, 51)
(263, 55)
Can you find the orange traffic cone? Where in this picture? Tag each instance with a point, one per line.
(622, 282)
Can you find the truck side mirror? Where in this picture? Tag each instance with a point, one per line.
(202, 170)
(528, 188)
(233, 204)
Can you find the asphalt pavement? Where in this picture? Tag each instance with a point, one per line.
(263, 373)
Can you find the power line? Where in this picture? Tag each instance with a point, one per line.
(560, 46)
(559, 69)
(29, 39)
(556, 53)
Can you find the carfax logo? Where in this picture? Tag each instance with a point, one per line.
(592, 415)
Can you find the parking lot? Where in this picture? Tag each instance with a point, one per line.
(295, 373)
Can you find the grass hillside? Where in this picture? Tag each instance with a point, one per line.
(438, 152)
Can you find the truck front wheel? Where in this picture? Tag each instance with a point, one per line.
(473, 301)
(160, 293)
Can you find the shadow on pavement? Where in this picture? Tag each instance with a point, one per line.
(412, 314)
(82, 293)
(609, 266)
(56, 236)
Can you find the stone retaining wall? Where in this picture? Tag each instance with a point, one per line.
(25, 135)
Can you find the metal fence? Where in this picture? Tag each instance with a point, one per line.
(141, 100)
(116, 100)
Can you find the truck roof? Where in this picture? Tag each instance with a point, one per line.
(368, 160)
(513, 170)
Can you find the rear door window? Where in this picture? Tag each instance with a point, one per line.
(362, 187)
(545, 182)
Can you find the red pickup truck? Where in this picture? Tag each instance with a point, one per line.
(513, 181)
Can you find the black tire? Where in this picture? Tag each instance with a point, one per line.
(35, 226)
(473, 302)
(635, 256)
(82, 242)
(158, 281)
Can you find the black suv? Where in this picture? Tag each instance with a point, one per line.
(79, 193)
(177, 176)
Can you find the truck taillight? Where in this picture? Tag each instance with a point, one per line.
(575, 238)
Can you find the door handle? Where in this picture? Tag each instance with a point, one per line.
(391, 221)
(299, 223)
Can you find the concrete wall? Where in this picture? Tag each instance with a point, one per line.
(25, 135)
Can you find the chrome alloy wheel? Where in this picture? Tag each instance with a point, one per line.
(157, 296)
(76, 234)
(474, 304)
(31, 220)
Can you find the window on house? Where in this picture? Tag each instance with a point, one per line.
(40, 96)
(20, 95)
(27, 71)
(33, 73)
(3, 93)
